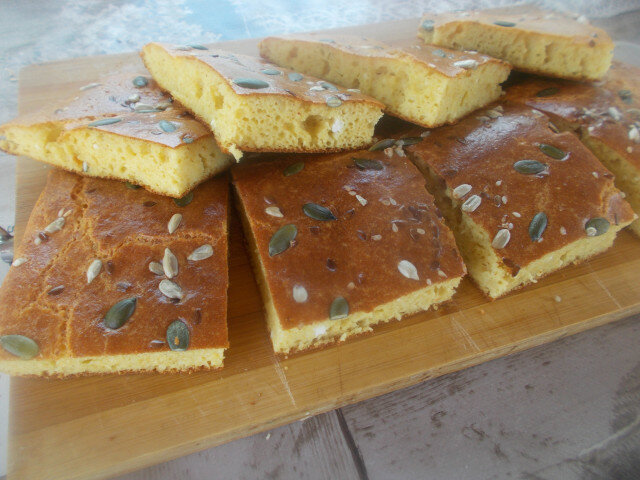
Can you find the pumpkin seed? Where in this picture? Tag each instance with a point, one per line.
(295, 76)
(156, 267)
(382, 144)
(406, 141)
(94, 270)
(184, 201)
(537, 226)
(104, 121)
(20, 346)
(293, 169)
(328, 86)
(187, 139)
(547, 92)
(131, 186)
(333, 101)
(201, 253)
(140, 81)
(553, 152)
(501, 239)
(174, 222)
(427, 25)
(252, 83)
(625, 96)
(408, 269)
(118, 315)
(461, 190)
(169, 263)
(197, 46)
(471, 203)
(271, 71)
(281, 240)
(178, 336)
(529, 167)
(368, 164)
(167, 126)
(170, 289)
(503, 23)
(318, 212)
(597, 226)
(339, 309)
(300, 294)
(439, 53)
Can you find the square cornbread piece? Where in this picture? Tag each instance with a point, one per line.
(605, 114)
(522, 200)
(110, 279)
(124, 128)
(425, 85)
(340, 243)
(252, 105)
(532, 40)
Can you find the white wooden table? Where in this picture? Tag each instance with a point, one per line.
(567, 410)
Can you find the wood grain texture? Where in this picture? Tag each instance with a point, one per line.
(97, 427)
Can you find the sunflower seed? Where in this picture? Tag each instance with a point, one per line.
(55, 226)
(85, 167)
(596, 226)
(300, 294)
(471, 203)
(553, 152)
(634, 134)
(197, 46)
(427, 25)
(502, 23)
(282, 239)
(167, 126)
(368, 164)
(407, 141)
(118, 315)
(140, 81)
(333, 101)
(252, 83)
(466, 64)
(382, 144)
(337, 126)
(339, 309)
(104, 121)
(361, 199)
(293, 169)
(18, 261)
(20, 346)
(408, 269)
(271, 71)
(614, 113)
(94, 270)
(537, 226)
(530, 167)
(90, 86)
(295, 76)
(149, 203)
(131, 186)
(184, 201)
(273, 211)
(135, 98)
(547, 92)
(178, 336)
(144, 108)
(169, 263)
(156, 267)
(170, 289)
(318, 212)
(439, 53)
(163, 105)
(201, 253)
(461, 190)
(501, 239)
(174, 222)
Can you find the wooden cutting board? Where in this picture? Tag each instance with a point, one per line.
(96, 427)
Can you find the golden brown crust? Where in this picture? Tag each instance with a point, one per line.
(230, 66)
(609, 110)
(443, 61)
(357, 255)
(126, 229)
(480, 151)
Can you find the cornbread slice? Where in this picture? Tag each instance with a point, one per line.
(343, 242)
(428, 86)
(533, 40)
(253, 106)
(88, 246)
(522, 200)
(606, 116)
(123, 128)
